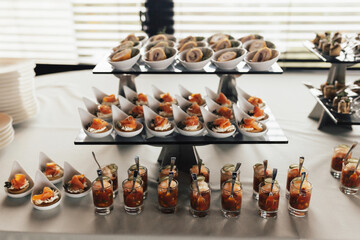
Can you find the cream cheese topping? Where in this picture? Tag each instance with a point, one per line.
(22, 187)
(165, 114)
(50, 200)
(221, 130)
(163, 128)
(192, 128)
(111, 103)
(93, 130)
(77, 190)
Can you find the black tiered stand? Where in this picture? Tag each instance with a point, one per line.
(176, 144)
(322, 112)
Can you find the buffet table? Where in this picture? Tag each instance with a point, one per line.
(332, 214)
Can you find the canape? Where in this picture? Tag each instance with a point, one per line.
(140, 99)
(258, 114)
(160, 124)
(93, 126)
(224, 112)
(223, 100)
(166, 98)
(103, 111)
(190, 124)
(252, 128)
(47, 197)
(77, 184)
(194, 110)
(18, 184)
(137, 111)
(256, 102)
(196, 98)
(157, 125)
(98, 125)
(125, 126)
(110, 100)
(53, 171)
(165, 110)
(221, 125)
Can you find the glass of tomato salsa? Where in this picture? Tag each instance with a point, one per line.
(350, 177)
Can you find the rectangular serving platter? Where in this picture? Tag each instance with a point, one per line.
(104, 67)
(346, 59)
(275, 135)
(352, 119)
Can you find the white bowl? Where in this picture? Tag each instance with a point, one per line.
(149, 115)
(195, 66)
(86, 118)
(92, 108)
(69, 172)
(126, 64)
(163, 64)
(228, 65)
(43, 159)
(239, 115)
(119, 115)
(261, 66)
(180, 115)
(209, 117)
(16, 169)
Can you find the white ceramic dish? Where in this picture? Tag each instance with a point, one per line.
(99, 95)
(213, 106)
(126, 106)
(213, 95)
(69, 172)
(86, 119)
(247, 44)
(119, 115)
(43, 159)
(5, 121)
(153, 44)
(210, 117)
(239, 115)
(40, 182)
(149, 116)
(180, 115)
(163, 64)
(17, 169)
(262, 66)
(234, 44)
(126, 64)
(196, 66)
(92, 108)
(228, 65)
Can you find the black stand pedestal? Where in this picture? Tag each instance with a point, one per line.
(184, 154)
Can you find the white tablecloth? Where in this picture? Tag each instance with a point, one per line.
(332, 214)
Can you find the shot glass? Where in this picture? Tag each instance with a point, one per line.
(336, 160)
(133, 196)
(103, 199)
(168, 196)
(111, 171)
(350, 177)
(226, 173)
(259, 176)
(293, 172)
(164, 172)
(268, 201)
(200, 203)
(299, 199)
(231, 204)
(204, 171)
(143, 172)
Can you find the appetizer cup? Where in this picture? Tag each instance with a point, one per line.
(43, 160)
(154, 104)
(126, 106)
(92, 108)
(262, 66)
(150, 45)
(268, 201)
(179, 117)
(350, 177)
(204, 172)
(226, 173)
(165, 170)
(213, 107)
(231, 64)
(200, 203)
(243, 97)
(126, 64)
(69, 172)
(210, 117)
(196, 66)
(149, 115)
(103, 198)
(40, 182)
(162, 64)
(143, 173)
(293, 172)
(168, 196)
(231, 204)
(119, 115)
(17, 169)
(185, 94)
(239, 116)
(99, 95)
(339, 153)
(133, 196)
(299, 198)
(259, 177)
(111, 171)
(86, 119)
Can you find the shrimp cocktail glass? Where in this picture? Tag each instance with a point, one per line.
(299, 199)
(200, 195)
(102, 191)
(293, 172)
(268, 200)
(339, 153)
(143, 173)
(350, 177)
(226, 172)
(204, 171)
(168, 195)
(259, 176)
(164, 172)
(133, 194)
(231, 201)
(111, 171)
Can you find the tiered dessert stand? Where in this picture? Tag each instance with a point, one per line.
(176, 144)
(322, 112)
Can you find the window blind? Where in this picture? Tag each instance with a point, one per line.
(38, 29)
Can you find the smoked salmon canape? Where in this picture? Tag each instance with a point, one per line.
(196, 98)
(137, 111)
(258, 114)
(166, 98)
(110, 100)
(78, 184)
(53, 171)
(161, 124)
(46, 197)
(140, 99)
(252, 128)
(103, 111)
(190, 124)
(98, 125)
(128, 124)
(223, 100)
(256, 102)
(194, 110)
(221, 125)
(18, 184)
(224, 112)
(165, 110)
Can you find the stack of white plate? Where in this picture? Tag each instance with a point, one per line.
(6, 130)
(17, 91)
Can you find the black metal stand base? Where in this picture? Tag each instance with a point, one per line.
(184, 154)
(126, 80)
(227, 85)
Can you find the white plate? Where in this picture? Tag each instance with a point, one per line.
(9, 65)
(5, 130)
(6, 135)
(5, 144)
(5, 121)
